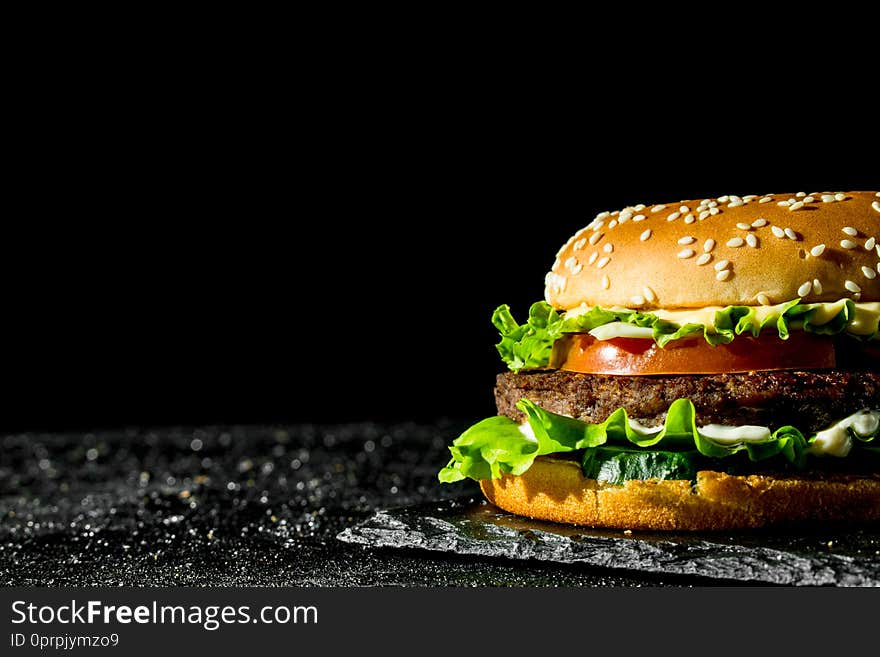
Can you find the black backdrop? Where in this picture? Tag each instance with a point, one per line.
(339, 266)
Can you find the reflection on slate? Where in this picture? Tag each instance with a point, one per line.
(841, 558)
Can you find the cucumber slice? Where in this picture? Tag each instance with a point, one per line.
(618, 464)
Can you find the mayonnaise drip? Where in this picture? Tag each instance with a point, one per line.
(836, 439)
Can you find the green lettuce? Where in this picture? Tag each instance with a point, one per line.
(529, 345)
(497, 445)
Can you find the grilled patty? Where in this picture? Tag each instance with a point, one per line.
(808, 400)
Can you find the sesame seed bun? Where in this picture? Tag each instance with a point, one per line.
(750, 250)
(556, 490)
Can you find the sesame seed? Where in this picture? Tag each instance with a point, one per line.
(828, 198)
(606, 282)
(852, 287)
(817, 286)
(625, 216)
(790, 234)
(876, 205)
(580, 244)
(795, 206)
(723, 199)
(673, 216)
(637, 300)
(602, 262)
(809, 199)
(704, 259)
(645, 235)
(723, 275)
(658, 208)
(801, 194)
(847, 244)
(777, 231)
(744, 226)
(760, 222)
(708, 245)
(612, 224)
(687, 240)
(749, 197)
(685, 253)
(722, 264)
(869, 273)
(704, 214)
(817, 250)
(840, 196)
(765, 199)
(713, 211)
(649, 294)
(712, 204)
(639, 207)
(608, 248)
(639, 217)
(577, 268)
(764, 300)
(735, 203)
(877, 194)
(571, 262)
(805, 289)
(782, 204)
(849, 230)
(595, 237)
(689, 219)
(735, 242)
(870, 243)
(602, 215)
(877, 248)
(752, 241)
(593, 257)
(684, 209)
(598, 226)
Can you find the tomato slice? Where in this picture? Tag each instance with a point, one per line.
(581, 352)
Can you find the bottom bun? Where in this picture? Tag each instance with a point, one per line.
(556, 490)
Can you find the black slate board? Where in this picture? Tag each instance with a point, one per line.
(821, 557)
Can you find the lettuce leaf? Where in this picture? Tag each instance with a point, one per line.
(497, 445)
(529, 345)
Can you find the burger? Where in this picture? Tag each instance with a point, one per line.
(701, 365)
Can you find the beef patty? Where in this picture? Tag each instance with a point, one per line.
(808, 400)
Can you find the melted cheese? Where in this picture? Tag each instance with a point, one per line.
(865, 321)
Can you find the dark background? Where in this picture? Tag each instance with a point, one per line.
(231, 247)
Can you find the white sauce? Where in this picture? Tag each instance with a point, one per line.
(526, 429)
(642, 430)
(726, 435)
(621, 330)
(836, 441)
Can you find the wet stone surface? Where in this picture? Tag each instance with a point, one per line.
(263, 506)
(237, 506)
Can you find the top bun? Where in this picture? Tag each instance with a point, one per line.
(750, 250)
